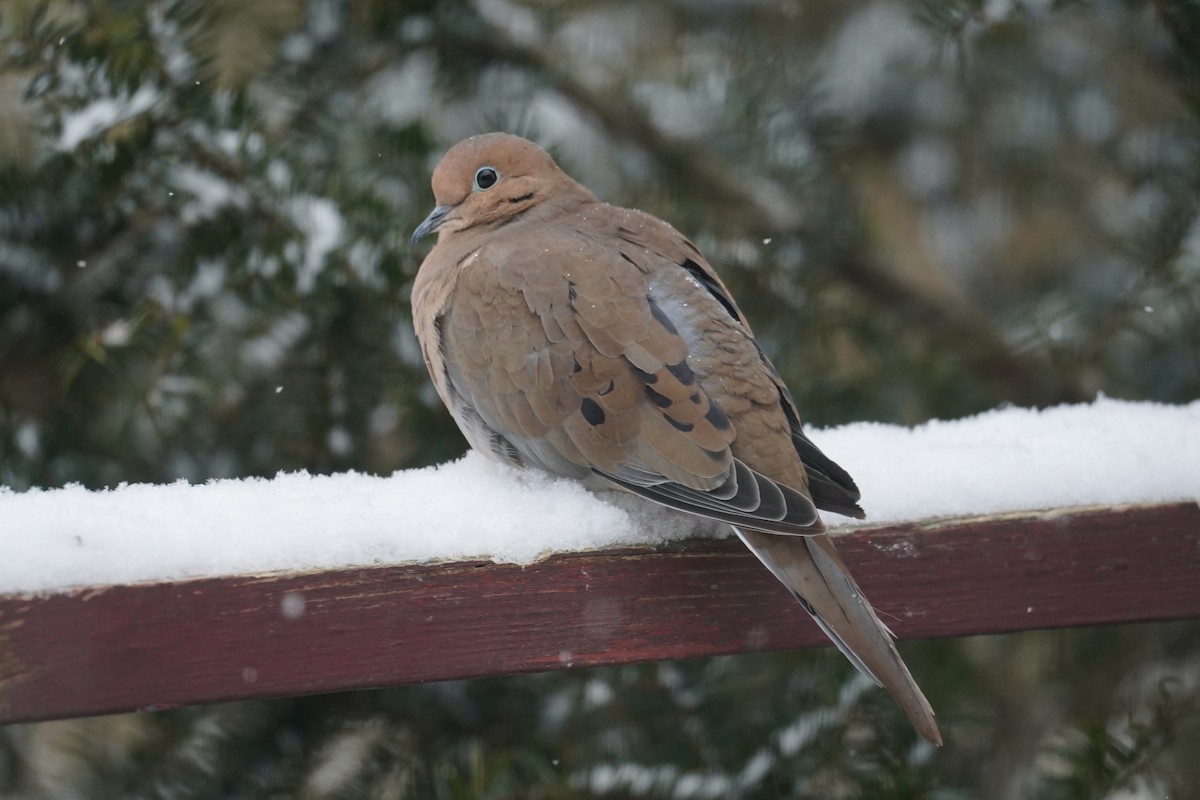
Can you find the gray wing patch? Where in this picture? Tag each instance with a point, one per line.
(747, 498)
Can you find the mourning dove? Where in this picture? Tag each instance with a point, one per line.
(597, 343)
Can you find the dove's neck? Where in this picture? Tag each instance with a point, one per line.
(565, 199)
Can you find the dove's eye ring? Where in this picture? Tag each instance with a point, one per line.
(485, 178)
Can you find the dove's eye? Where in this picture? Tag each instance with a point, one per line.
(485, 178)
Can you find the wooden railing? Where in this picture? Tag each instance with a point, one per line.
(95, 650)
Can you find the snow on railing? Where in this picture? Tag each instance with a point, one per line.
(164, 644)
(153, 596)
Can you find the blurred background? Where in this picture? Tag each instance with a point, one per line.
(925, 209)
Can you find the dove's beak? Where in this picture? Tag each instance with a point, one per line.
(431, 223)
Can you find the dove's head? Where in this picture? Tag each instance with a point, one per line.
(488, 179)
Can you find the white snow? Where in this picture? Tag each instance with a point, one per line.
(209, 193)
(1109, 452)
(320, 219)
(1105, 453)
(100, 115)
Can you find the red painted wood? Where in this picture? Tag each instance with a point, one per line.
(101, 650)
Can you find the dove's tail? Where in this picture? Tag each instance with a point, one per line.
(812, 569)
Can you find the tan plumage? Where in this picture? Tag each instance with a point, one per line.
(597, 343)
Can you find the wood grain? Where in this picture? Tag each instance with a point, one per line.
(150, 646)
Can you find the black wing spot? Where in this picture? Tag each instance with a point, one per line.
(659, 400)
(661, 316)
(685, 427)
(576, 367)
(682, 372)
(717, 417)
(695, 398)
(592, 412)
(712, 286)
(571, 293)
(646, 377)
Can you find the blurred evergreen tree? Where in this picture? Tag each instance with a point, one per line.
(925, 211)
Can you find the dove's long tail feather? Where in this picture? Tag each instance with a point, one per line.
(811, 568)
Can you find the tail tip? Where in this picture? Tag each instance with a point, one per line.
(928, 730)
